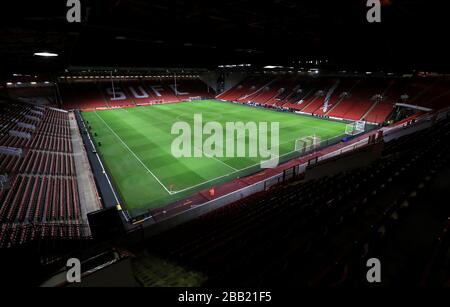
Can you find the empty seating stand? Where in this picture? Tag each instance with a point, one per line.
(85, 96)
(45, 163)
(367, 99)
(50, 143)
(245, 90)
(310, 233)
(42, 198)
(127, 93)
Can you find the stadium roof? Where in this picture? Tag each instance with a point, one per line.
(183, 33)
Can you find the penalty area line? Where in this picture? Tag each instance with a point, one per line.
(237, 171)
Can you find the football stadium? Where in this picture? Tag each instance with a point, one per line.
(124, 132)
(242, 145)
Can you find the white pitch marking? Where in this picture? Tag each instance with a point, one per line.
(137, 158)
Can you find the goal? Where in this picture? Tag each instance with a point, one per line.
(355, 128)
(195, 98)
(307, 144)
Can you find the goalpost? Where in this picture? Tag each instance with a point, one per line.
(195, 98)
(307, 144)
(355, 128)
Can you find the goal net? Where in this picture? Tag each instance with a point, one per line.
(195, 98)
(355, 128)
(307, 144)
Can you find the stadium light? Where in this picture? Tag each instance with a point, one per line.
(45, 54)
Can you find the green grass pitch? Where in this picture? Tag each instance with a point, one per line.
(136, 148)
